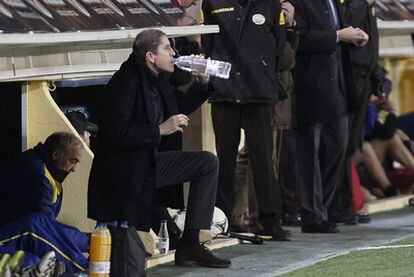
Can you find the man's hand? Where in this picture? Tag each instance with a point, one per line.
(201, 77)
(353, 35)
(387, 105)
(289, 12)
(173, 124)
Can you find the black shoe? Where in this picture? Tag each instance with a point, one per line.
(332, 224)
(291, 219)
(274, 233)
(196, 254)
(351, 219)
(348, 219)
(322, 227)
(364, 218)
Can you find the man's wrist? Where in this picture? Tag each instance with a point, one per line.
(292, 25)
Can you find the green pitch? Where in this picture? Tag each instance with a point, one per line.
(370, 262)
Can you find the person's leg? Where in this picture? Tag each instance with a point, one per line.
(256, 121)
(396, 149)
(369, 159)
(240, 192)
(200, 168)
(334, 139)
(257, 125)
(226, 124)
(341, 207)
(285, 162)
(308, 173)
(253, 207)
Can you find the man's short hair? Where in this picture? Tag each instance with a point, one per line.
(61, 141)
(147, 41)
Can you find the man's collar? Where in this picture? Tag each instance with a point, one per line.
(46, 157)
(150, 76)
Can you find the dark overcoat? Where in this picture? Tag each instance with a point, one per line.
(122, 178)
(323, 75)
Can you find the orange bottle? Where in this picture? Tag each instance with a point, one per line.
(100, 252)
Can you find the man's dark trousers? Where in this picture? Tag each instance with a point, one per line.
(200, 168)
(286, 162)
(255, 119)
(320, 152)
(344, 196)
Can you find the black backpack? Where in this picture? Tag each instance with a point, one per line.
(128, 254)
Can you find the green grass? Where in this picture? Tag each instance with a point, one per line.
(381, 262)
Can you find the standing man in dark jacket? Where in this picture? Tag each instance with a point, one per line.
(364, 60)
(249, 38)
(139, 162)
(325, 96)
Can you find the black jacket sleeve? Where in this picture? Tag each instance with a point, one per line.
(195, 96)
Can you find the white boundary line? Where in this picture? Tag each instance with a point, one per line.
(318, 259)
(385, 247)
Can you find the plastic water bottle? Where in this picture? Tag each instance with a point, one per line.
(211, 67)
(100, 252)
(163, 238)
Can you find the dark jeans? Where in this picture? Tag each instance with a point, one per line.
(320, 152)
(200, 168)
(255, 119)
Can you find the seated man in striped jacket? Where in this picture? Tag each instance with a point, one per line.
(31, 198)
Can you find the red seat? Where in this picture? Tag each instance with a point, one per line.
(402, 179)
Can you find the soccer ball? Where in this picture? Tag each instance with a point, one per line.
(219, 224)
(179, 218)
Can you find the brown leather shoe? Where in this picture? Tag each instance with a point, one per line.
(196, 254)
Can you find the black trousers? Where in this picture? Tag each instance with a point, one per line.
(255, 119)
(200, 168)
(344, 196)
(320, 150)
(285, 163)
